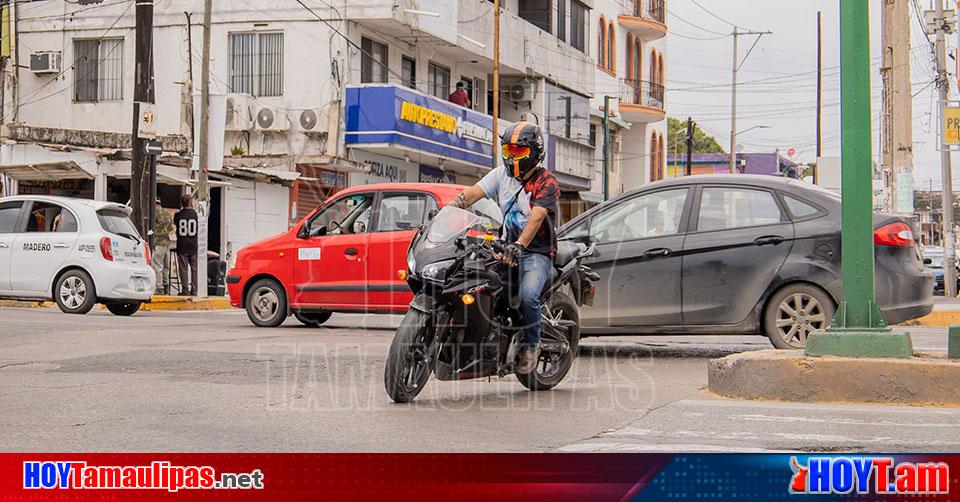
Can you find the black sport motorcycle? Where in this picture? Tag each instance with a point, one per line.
(464, 321)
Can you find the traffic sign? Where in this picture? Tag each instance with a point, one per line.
(153, 147)
(951, 126)
(147, 120)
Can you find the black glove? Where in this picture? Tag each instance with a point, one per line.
(511, 253)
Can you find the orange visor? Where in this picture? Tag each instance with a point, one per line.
(515, 152)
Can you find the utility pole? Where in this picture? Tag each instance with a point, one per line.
(896, 134)
(203, 191)
(142, 167)
(495, 160)
(816, 168)
(691, 128)
(190, 70)
(733, 105)
(943, 83)
(606, 147)
(858, 329)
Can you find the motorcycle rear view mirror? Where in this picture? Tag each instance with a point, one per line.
(432, 214)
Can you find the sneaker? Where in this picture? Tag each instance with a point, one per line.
(527, 360)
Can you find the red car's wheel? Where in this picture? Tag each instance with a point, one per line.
(266, 303)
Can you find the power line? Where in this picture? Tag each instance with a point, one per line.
(714, 15)
(697, 26)
(385, 64)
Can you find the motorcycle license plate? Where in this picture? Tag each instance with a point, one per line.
(589, 293)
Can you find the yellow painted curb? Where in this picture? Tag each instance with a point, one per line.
(937, 319)
(26, 304)
(171, 303)
(159, 303)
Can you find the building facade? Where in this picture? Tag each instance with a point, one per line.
(311, 100)
(630, 50)
(769, 164)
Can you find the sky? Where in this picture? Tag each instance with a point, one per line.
(784, 99)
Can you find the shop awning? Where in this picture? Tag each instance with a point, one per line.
(53, 171)
(261, 174)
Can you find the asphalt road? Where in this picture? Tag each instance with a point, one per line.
(210, 381)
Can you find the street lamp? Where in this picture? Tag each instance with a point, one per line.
(752, 128)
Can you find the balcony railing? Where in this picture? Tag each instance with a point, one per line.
(641, 92)
(649, 9)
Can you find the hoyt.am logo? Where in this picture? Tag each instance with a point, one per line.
(871, 475)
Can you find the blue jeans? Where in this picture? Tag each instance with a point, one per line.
(535, 270)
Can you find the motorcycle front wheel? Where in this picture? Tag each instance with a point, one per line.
(562, 313)
(409, 362)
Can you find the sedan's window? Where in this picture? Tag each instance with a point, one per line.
(46, 217)
(799, 208)
(8, 217)
(402, 211)
(117, 222)
(650, 215)
(726, 208)
(348, 215)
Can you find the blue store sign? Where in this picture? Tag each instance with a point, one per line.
(391, 115)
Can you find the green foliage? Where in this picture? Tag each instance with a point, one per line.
(238, 151)
(702, 142)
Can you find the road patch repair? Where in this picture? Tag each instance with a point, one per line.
(919, 380)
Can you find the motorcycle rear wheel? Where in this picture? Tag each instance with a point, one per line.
(549, 374)
(409, 363)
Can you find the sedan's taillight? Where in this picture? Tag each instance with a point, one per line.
(146, 252)
(894, 234)
(106, 250)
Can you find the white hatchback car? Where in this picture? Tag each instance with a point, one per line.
(77, 252)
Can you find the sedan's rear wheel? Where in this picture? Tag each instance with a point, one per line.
(794, 312)
(123, 309)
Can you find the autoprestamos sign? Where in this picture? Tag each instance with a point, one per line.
(380, 116)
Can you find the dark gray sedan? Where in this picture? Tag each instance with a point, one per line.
(736, 254)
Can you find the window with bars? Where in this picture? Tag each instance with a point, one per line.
(578, 25)
(256, 63)
(439, 81)
(98, 70)
(373, 62)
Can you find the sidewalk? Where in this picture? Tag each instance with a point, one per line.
(159, 303)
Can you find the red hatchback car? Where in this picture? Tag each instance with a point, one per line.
(344, 257)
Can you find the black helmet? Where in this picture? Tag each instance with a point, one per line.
(517, 161)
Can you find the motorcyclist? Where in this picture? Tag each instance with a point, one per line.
(528, 194)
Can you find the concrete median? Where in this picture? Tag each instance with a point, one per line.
(926, 380)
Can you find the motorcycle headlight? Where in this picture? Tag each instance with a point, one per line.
(436, 271)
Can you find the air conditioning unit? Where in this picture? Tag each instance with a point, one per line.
(239, 115)
(522, 92)
(313, 121)
(45, 62)
(271, 118)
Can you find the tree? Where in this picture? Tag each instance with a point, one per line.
(702, 142)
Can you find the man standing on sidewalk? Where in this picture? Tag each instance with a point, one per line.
(186, 222)
(161, 249)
